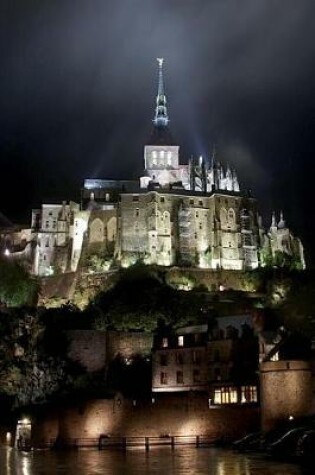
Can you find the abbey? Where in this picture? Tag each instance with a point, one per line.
(187, 215)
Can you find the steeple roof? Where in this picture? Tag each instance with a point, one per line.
(161, 134)
(161, 117)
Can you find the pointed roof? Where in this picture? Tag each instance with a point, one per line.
(161, 134)
(161, 117)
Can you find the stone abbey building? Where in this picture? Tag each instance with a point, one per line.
(189, 215)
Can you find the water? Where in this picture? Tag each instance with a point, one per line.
(159, 461)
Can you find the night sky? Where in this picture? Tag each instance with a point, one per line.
(78, 81)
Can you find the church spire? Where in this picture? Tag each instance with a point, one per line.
(161, 118)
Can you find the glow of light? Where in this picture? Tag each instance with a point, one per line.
(291, 418)
(7, 252)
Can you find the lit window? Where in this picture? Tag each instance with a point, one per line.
(154, 154)
(163, 378)
(248, 394)
(164, 342)
(225, 395)
(169, 158)
(107, 197)
(180, 340)
(275, 357)
(162, 154)
(179, 377)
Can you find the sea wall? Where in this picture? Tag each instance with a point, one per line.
(167, 415)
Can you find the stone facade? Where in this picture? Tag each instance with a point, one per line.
(212, 361)
(286, 391)
(175, 214)
(167, 415)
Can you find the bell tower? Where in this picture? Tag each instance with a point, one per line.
(161, 152)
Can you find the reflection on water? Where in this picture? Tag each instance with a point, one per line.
(181, 461)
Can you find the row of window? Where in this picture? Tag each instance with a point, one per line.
(161, 154)
(180, 340)
(195, 357)
(164, 380)
(231, 395)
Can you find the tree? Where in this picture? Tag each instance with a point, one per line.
(17, 287)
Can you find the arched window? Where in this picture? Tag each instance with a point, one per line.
(223, 217)
(97, 231)
(231, 218)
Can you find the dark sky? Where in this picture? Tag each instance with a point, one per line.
(78, 83)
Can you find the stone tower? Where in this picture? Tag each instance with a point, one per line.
(161, 153)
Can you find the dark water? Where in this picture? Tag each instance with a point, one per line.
(160, 461)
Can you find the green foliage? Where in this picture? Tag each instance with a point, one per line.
(140, 299)
(17, 287)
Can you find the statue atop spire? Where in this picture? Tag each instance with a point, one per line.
(161, 118)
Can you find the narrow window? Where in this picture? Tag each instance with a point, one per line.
(163, 378)
(179, 377)
(180, 340)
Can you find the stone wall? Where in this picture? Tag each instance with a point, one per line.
(171, 415)
(93, 349)
(286, 390)
(128, 344)
(88, 347)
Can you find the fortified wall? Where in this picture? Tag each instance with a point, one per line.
(94, 349)
(286, 391)
(168, 415)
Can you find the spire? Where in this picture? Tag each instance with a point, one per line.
(161, 118)
(281, 224)
(273, 220)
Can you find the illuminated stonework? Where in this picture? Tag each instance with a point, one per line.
(189, 215)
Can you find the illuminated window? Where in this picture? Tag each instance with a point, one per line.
(163, 360)
(164, 342)
(225, 395)
(169, 158)
(275, 357)
(180, 340)
(249, 394)
(163, 378)
(154, 154)
(162, 154)
(179, 377)
(107, 197)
